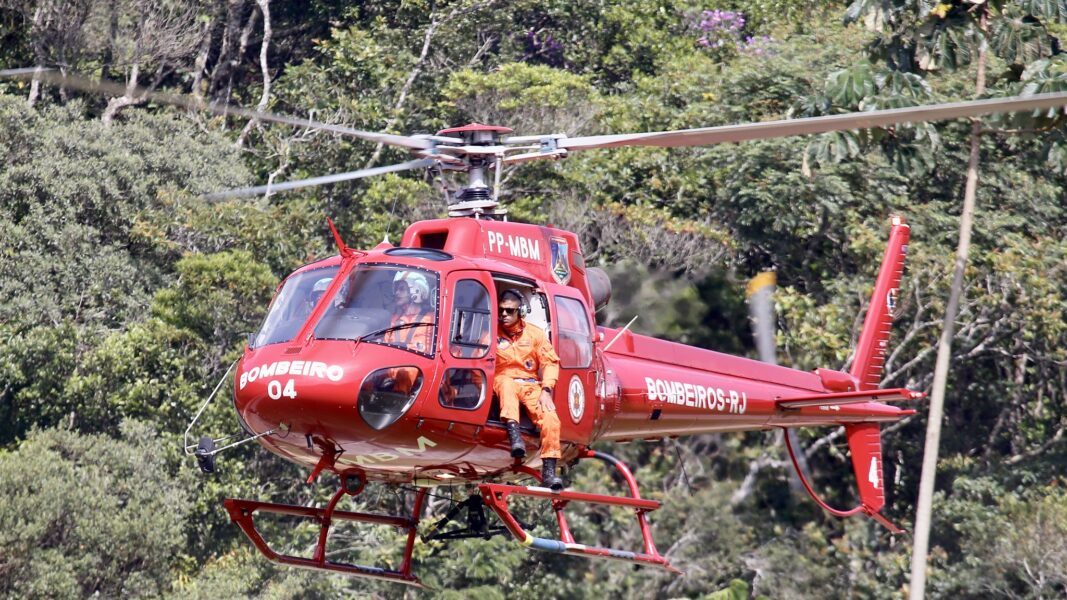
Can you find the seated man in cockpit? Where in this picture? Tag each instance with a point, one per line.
(317, 291)
(411, 296)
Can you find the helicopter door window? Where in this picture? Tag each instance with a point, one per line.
(298, 296)
(471, 321)
(462, 388)
(575, 346)
(384, 304)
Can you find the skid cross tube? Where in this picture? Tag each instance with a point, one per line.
(496, 497)
(242, 512)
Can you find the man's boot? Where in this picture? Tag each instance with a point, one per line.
(548, 475)
(518, 448)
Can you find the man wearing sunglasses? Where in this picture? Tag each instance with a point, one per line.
(526, 372)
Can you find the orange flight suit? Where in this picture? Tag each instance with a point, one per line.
(520, 357)
(416, 338)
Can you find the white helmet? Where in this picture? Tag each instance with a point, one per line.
(417, 285)
(319, 289)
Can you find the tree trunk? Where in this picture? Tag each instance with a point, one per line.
(944, 348)
(230, 36)
(235, 59)
(114, 105)
(134, 95)
(38, 51)
(202, 55)
(35, 87)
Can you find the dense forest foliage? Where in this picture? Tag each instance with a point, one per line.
(124, 295)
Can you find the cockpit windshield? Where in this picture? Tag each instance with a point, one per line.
(293, 305)
(384, 304)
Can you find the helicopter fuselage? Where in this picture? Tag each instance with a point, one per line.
(382, 362)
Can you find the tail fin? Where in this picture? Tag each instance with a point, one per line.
(864, 439)
(870, 351)
(865, 446)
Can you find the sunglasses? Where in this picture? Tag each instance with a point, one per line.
(508, 311)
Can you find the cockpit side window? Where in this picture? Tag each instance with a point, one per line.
(471, 321)
(298, 296)
(385, 304)
(575, 345)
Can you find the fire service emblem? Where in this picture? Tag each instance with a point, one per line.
(576, 399)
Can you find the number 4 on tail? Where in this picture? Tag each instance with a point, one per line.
(872, 474)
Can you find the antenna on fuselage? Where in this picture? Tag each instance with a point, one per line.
(621, 331)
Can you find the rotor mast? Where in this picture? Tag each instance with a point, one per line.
(479, 150)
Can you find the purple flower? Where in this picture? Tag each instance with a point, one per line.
(721, 28)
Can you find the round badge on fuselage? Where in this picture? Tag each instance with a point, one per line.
(576, 399)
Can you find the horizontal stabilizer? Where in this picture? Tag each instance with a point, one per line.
(857, 397)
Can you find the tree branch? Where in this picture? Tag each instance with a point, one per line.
(264, 8)
(1055, 439)
(431, 30)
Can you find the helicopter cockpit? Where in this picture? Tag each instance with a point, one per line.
(380, 303)
(293, 305)
(384, 304)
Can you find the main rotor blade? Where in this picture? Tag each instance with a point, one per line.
(117, 89)
(790, 127)
(299, 183)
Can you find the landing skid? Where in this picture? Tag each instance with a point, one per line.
(242, 512)
(496, 497)
(493, 495)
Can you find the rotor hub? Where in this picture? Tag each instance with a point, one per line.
(478, 148)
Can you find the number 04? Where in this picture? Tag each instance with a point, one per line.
(275, 391)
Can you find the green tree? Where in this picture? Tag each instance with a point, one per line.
(87, 515)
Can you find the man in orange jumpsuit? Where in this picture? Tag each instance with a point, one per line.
(523, 351)
(412, 305)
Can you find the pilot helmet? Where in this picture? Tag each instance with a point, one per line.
(417, 285)
(319, 289)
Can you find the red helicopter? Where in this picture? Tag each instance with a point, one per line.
(332, 383)
(318, 383)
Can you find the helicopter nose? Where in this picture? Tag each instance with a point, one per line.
(353, 399)
(273, 391)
